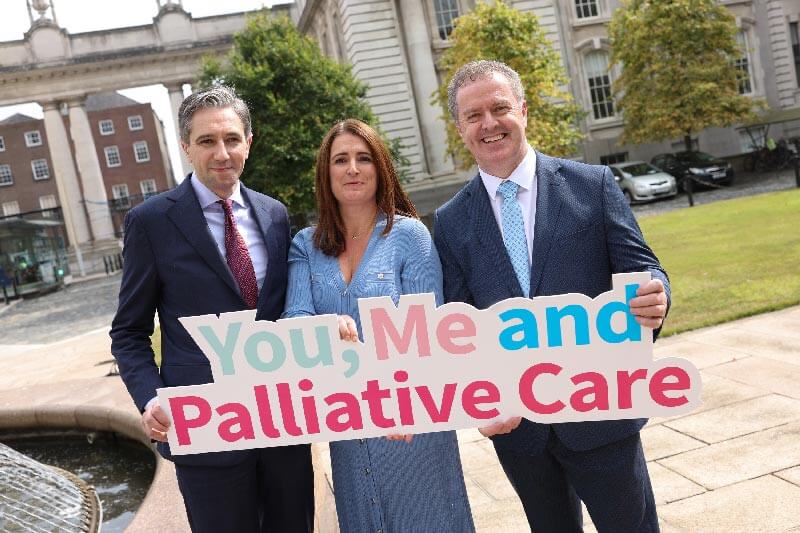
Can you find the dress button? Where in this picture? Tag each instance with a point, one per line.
(366, 471)
(379, 530)
(361, 441)
(380, 275)
(374, 500)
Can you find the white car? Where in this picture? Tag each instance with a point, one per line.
(642, 182)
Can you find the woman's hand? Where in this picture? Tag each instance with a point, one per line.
(347, 328)
(400, 436)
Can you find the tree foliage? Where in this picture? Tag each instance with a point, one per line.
(678, 75)
(499, 32)
(295, 95)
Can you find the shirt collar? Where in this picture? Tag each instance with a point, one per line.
(523, 175)
(207, 197)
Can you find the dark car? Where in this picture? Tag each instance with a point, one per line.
(704, 168)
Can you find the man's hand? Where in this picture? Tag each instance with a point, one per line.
(502, 427)
(347, 328)
(650, 305)
(155, 422)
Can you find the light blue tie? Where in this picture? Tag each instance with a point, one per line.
(514, 234)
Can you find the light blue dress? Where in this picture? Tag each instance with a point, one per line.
(379, 485)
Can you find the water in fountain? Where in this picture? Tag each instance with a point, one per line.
(39, 498)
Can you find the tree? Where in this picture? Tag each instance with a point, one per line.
(295, 95)
(499, 32)
(678, 75)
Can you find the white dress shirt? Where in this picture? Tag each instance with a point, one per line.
(246, 224)
(524, 176)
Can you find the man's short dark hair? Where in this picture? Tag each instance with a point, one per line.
(218, 96)
(479, 70)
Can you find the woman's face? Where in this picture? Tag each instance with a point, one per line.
(354, 177)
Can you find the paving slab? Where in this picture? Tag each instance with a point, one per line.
(792, 475)
(763, 344)
(739, 459)
(701, 354)
(660, 441)
(763, 504)
(669, 486)
(775, 376)
(738, 419)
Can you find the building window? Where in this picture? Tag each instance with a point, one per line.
(33, 138)
(795, 36)
(585, 8)
(2, 144)
(135, 123)
(112, 156)
(742, 64)
(10, 208)
(613, 159)
(106, 127)
(5, 175)
(148, 188)
(599, 84)
(47, 203)
(121, 196)
(752, 139)
(140, 151)
(446, 13)
(40, 169)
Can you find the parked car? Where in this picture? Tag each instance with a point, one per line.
(703, 167)
(641, 182)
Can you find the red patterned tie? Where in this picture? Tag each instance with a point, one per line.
(238, 258)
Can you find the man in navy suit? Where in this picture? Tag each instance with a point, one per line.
(211, 245)
(578, 231)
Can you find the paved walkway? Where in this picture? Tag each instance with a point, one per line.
(732, 465)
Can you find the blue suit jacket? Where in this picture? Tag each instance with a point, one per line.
(584, 232)
(172, 266)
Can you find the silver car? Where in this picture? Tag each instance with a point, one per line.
(642, 182)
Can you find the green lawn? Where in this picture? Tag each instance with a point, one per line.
(729, 259)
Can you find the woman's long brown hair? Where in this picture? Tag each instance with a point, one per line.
(329, 235)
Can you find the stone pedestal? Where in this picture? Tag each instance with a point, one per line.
(175, 99)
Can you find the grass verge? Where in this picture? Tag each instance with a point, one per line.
(729, 259)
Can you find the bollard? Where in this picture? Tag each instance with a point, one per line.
(687, 186)
(119, 261)
(105, 263)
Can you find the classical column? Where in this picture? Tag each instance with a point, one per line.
(94, 190)
(176, 98)
(423, 80)
(66, 178)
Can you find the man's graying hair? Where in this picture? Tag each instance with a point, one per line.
(479, 70)
(218, 96)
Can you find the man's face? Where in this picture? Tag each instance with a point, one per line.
(217, 148)
(492, 124)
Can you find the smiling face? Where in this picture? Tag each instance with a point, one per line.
(492, 124)
(217, 148)
(354, 176)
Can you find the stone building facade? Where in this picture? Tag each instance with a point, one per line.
(394, 45)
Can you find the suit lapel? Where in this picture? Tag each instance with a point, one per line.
(549, 198)
(188, 217)
(491, 240)
(264, 221)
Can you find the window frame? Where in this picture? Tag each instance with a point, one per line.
(2, 144)
(584, 5)
(121, 201)
(607, 105)
(104, 131)
(11, 202)
(46, 167)
(10, 178)
(115, 149)
(47, 210)
(141, 123)
(28, 135)
(136, 146)
(147, 194)
(745, 62)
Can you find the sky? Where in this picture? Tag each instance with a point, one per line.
(78, 16)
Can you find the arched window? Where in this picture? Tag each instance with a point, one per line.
(596, 66)
(446, 12)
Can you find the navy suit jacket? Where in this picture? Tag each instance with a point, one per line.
(172, 266)
(584, 232)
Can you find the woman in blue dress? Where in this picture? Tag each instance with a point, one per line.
(369, 242)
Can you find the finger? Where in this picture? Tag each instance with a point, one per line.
(652, 286)
(652, 323)
(344, 334)
(408, 438)
(158, 435)
(160, 417)
(659, 298)
(653, 311)
(492, 429)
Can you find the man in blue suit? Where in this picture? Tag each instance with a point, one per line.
(211, 245)
(532, 225)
